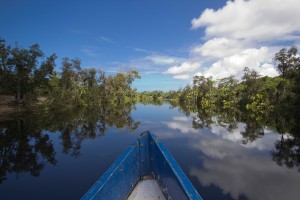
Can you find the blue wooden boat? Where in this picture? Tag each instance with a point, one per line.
(146, 165)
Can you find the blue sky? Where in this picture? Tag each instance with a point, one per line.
(168, 42)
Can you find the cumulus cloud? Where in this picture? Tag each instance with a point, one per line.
(257, 59)
(218, 47)
(243, 33)
(260, 20)
(181, 71)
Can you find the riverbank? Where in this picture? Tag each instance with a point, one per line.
(8, 105)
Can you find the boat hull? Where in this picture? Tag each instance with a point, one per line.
(147, 157)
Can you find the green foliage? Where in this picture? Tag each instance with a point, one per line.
(227, 93)
(287, 61)
(156, 97)
(84, 102)
(256, 101)
(259, 106)
(32, 80)
(21, 74)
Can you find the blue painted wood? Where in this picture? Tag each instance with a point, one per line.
(165, 169)
(148, 157)
(118, 181)
(144, 154)
(170, 175)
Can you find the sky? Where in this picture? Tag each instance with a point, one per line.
(166, 41)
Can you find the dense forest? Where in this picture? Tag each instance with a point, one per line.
(82, 103)
(31, 78)
(79, 103)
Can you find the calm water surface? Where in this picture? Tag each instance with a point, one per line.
(216, 161)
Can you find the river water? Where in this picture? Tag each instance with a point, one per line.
(217, 162)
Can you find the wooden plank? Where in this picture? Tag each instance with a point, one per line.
(118, 181)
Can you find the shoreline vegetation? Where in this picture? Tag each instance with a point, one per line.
(83, 103)
(28, 79)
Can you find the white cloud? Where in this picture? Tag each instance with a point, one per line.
(182, 76)
(184, 68)
(153, 63)
(257, 59)
(261, 20)
(140, 49)
(164, 60)
(218, 47)
(242, 34)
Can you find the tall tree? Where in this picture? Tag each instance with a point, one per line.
(70, 81)
(205, 86)
(20, 72)
(70, 72)
(287, 60)
(23, 63)
(5, 71)
(228, 92)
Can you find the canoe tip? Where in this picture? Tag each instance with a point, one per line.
(144, 133)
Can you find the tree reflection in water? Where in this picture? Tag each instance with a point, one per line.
(287, 152)
(92, 123)
(25, 148)
(284, 121)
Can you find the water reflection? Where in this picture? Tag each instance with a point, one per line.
(287, 152)
(23, 148)
(240, 170)
(76, 126)
(287, 123)
(227, 155)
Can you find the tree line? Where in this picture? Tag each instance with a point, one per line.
(30, 76)
(79, 103)
(257, 102)
(83, 103)
(258, 96)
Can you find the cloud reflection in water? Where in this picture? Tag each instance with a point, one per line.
(238, 169)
